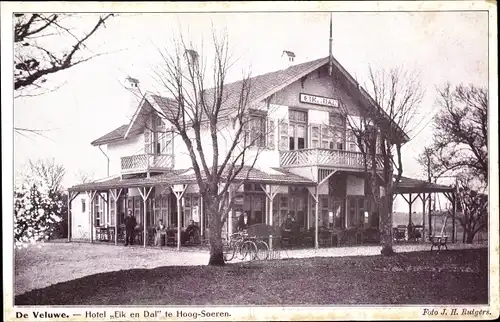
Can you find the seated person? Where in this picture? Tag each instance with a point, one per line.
(191, 230)
(159, 230)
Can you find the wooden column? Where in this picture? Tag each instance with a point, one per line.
(230, 219)
(202, 218)
(91, 195)
(144, 192)
(179, 191)
(315, 196)
(429, 207)
(423, 198)
(71, 197)
(270, 193)
(115, 195)
(316, 240)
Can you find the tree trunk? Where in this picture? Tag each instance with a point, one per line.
(470, 236)
(386, 225)
(214, 233)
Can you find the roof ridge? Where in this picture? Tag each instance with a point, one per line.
(276, 71)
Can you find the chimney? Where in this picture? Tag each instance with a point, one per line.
(135, 97)
(287, 59)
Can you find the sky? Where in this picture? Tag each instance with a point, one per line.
(441, 46)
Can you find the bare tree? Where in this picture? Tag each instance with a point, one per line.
(215, 124)
(33, 59)
(472, 208)
(461, 130)
(84, 177)
(48, 172)
(380, 133)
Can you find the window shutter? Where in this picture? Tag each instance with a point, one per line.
(271, 130)
(315, 135)
(147, 141)
(283, 135)
(168, 142)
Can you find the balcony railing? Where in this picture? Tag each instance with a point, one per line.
(325, 157)
(146, 162)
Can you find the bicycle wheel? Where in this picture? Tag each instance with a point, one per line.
(248, 250)
(262, 250)
(228, 251)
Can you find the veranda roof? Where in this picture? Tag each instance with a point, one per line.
(117, 183)
(275, 176)
(409, 185)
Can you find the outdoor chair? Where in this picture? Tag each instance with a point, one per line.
(325, 237)
(371, 235)
(415, 233)
(151, 236)
(350, 236)
(399, 233)
(439, 242)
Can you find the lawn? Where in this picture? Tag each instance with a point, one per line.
(450, 277)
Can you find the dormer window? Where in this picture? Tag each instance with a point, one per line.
(158, 122)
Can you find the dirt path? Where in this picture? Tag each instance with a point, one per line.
(51, 263)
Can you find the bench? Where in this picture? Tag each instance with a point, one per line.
(438, 241)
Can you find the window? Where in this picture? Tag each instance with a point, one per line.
(97, 212)
(297, 130)
(255, 130)
(315, 135)
(338, 218)
(297, 116)
(338, 129)
(270, 134)
(158, 121)
(351, 140)
(83, 205)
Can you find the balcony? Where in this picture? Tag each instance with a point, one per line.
(326, 157)
(146, 163)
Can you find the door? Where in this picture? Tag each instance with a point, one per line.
(359, 215)
(298, 208)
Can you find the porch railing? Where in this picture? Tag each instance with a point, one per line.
(325, 157)
(146, 162)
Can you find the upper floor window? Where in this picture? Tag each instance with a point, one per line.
(338, 129)
(83, 205)
(297, 130)
(255, 129)
(158, 121)
(297, 116)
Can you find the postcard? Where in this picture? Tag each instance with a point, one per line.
(224, 161)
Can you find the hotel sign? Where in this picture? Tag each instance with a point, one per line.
(318, 100)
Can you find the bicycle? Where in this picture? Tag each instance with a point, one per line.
(262, 249)
(240, 246)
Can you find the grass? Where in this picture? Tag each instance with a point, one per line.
(450, 277)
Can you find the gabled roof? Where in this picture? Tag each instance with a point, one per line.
(263, 86)
(115, 135)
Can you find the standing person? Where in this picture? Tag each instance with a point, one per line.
(160, 230)
(243, 221)
(130, 224)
